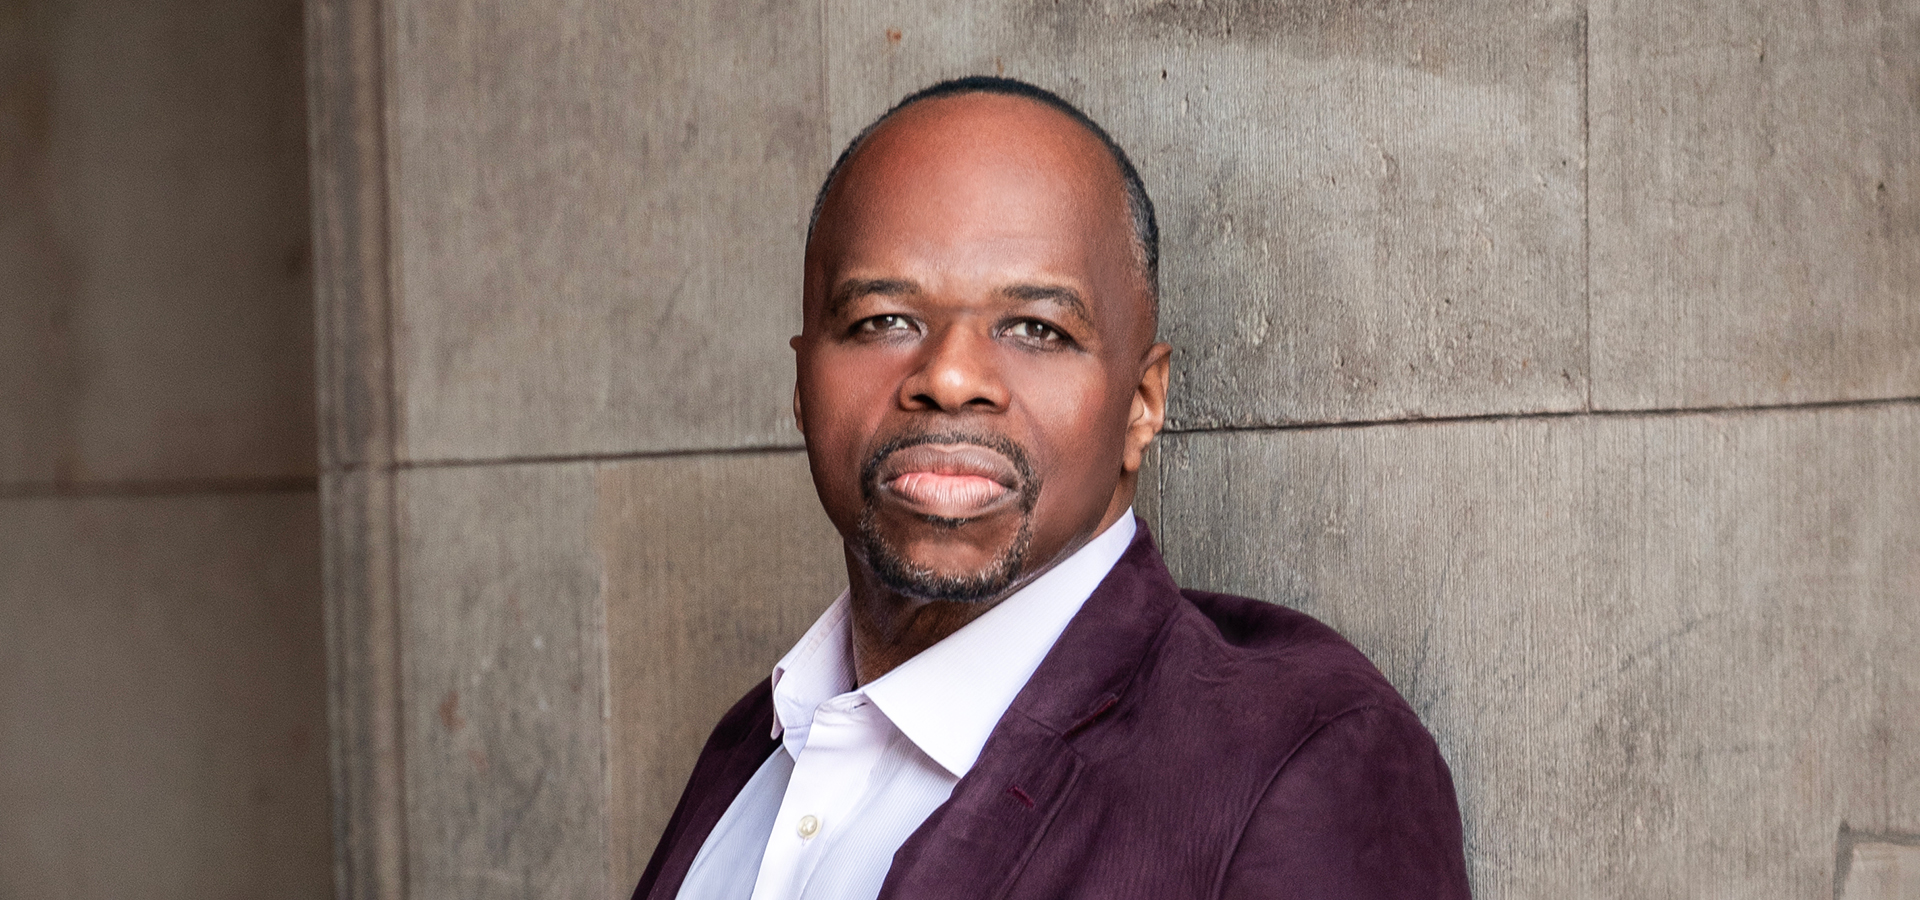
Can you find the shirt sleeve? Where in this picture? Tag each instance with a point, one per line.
(1363, 809)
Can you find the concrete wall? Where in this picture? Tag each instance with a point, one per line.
(162, 695)
(1563, 355)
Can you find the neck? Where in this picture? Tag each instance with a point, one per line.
(889, 629)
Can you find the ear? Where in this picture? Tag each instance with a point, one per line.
(799, 420)
(1149, 406)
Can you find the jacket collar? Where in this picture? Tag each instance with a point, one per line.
(949, 699)
(1102, 648)
(977, 842)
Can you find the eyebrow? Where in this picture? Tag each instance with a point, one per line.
(855, 288)
(1065, 296)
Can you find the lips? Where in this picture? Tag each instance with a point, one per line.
(950, 494)
(949, 481)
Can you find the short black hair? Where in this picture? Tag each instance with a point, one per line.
(1146, 229)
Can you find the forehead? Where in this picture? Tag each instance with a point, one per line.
(997, 131)
(983, 180)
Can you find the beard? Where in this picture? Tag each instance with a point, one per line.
(904, 576)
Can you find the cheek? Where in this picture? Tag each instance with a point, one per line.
(1075, 419)
(849, 392)
(843, 401)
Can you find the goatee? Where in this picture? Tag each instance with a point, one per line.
(907, 578)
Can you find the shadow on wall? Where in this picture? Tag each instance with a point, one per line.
(162, 717)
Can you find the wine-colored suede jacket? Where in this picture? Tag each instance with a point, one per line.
(1174, 744)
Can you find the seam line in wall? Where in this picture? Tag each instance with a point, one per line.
(1560, 414)
(183, 487)
(757, 449)
(536, 459)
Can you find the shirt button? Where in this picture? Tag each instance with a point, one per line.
(809, 826)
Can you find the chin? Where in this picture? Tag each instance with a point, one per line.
(897, 569)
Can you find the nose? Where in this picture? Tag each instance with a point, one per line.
(957, 373)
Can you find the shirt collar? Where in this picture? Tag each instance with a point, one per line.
(816, 670)
(948, 698)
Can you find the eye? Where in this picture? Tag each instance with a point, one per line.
(1037, 332)
(883, 326)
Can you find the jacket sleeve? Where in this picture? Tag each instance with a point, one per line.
(1363, 810)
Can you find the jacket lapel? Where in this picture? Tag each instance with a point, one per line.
(976, 844)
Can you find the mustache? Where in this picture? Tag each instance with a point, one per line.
(1027, 487)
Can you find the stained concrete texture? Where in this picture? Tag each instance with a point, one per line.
(715, 567)
(1368, 210)
(503, 681)
(598, 215)
(153, 243)
(1755, 202)
(527, 774)
(162, 705)
(1664, 656)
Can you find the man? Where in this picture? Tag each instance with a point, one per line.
(1013, 700)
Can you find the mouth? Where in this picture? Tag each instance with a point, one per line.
(948, 481)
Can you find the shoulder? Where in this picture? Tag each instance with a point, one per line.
(1331, 746)
(1233, 690)
(1278, 658)
(1255, 694)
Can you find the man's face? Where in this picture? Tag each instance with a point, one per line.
(977, 378)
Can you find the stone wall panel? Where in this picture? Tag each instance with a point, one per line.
(162, 697)
(1755, 202)
(1368, 210)
(597, 223)
(155, 321)
(503, 667)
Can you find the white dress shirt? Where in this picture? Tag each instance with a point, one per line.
(859, 770)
